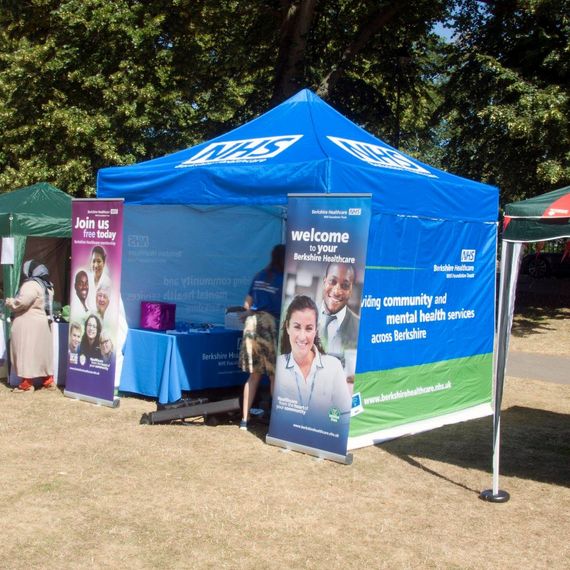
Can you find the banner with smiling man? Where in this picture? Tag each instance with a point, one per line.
(322, 289)
(96, 257)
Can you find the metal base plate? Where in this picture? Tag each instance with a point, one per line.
(500, 497)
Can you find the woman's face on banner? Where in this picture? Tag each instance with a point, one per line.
(302, 329)
(106, 346)
(97, 265)
(102, 301)
(91, 329)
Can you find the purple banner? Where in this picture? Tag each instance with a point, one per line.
(96, 251)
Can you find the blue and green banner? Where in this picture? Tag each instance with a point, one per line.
(320, 320)
(427, 324)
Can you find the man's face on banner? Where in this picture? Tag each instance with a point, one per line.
(337, 287)
(82, 285)
(75, 339)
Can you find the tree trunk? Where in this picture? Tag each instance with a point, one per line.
(370, 27)
(297, 20)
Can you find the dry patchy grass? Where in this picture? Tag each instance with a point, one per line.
(86, 486)
(543, 330)
(83, 486)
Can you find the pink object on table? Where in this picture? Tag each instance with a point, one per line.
(157, 316)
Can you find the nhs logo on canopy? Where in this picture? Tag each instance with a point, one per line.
(380, 156)
(246, 150)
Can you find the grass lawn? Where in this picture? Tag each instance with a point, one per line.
(83, 486)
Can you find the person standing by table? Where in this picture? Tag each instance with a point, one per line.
(31, 347)
(259, 344)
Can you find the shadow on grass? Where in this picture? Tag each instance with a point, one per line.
(533, 320)
(535, 445)
(548, 292)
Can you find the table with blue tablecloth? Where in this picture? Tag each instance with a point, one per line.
(163, 365)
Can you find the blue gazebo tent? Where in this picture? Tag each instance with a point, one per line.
(432, 237)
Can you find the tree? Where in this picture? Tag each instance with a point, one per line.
(90, 83)
(507, 102)
(84, 84)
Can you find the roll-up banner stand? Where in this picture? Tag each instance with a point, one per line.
(327, 235)
(96, 252)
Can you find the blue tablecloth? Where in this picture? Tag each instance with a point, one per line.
(162, 365)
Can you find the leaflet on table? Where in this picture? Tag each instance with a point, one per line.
(96, 252)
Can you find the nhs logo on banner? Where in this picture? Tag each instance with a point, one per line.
(247, 150)
(380, 156)
(468, 255)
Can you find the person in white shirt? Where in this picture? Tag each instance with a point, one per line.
(80, 308)
(311, 388)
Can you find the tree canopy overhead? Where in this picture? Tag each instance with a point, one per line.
(90, 83)
(507, 102)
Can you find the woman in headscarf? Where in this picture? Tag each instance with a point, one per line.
(98, 274)
(31, 348)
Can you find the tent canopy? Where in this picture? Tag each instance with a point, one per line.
(541, 218)
(38, 210)
(301, 146)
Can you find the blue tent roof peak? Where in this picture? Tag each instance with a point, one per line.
(303, 95)
(302, 145)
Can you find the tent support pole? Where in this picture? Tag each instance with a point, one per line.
(510, 261)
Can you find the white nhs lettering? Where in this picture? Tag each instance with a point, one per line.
(257, 149)
(379, 156)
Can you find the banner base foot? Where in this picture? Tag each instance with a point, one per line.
(114, 403)
(500, 497)
(319, 453)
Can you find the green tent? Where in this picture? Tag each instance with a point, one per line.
(543, 218)
(40, 210)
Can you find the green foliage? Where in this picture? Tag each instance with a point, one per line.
(90, 83)
(507, 103)
(83, 84)
(86, 84)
